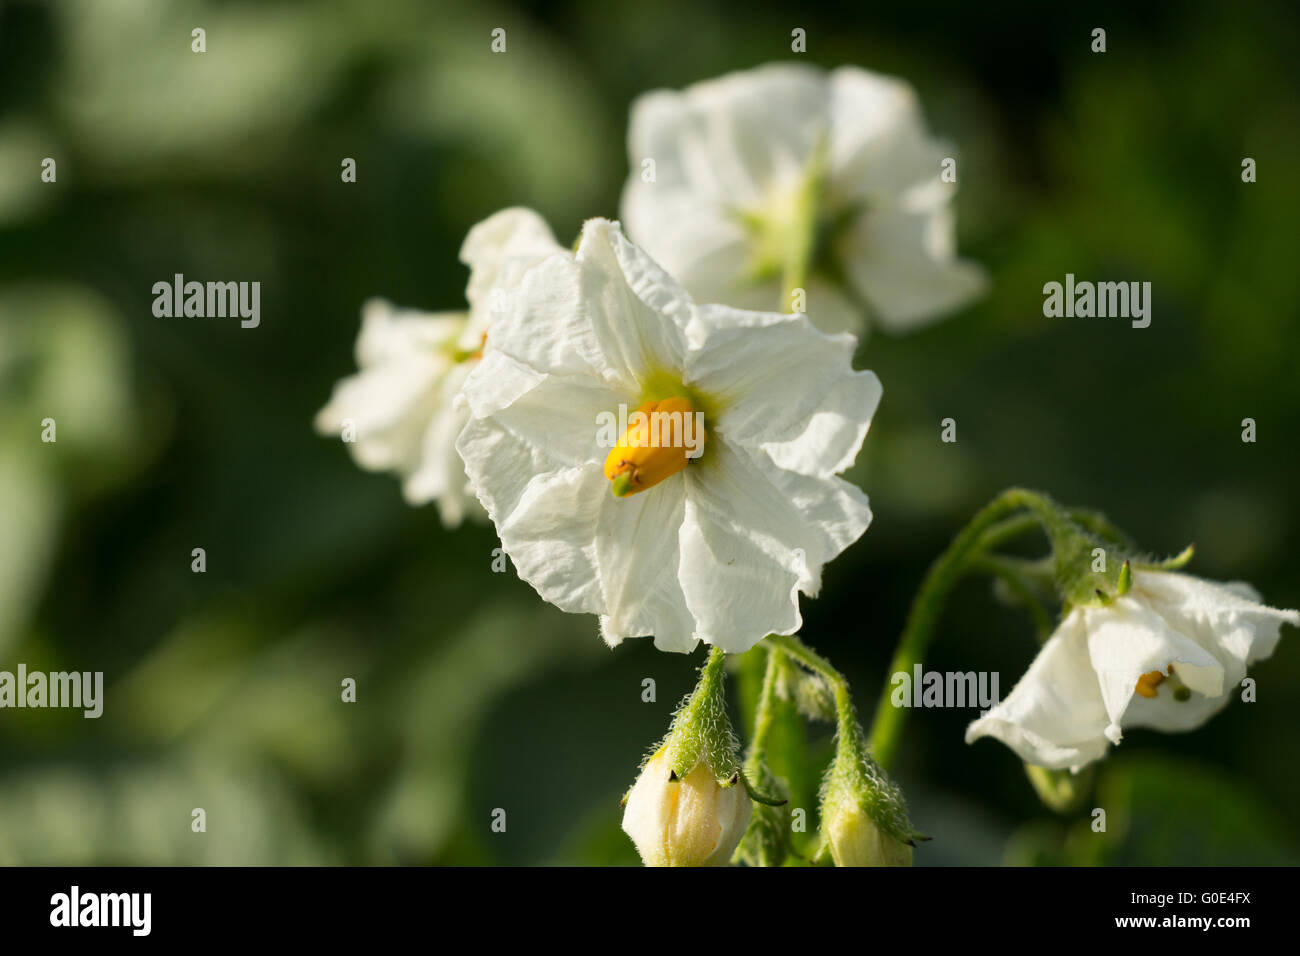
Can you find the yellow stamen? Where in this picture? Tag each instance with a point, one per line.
(661, 439)
(1148, 682)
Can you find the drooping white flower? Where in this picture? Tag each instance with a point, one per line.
(1168, 655)
(736, 159)
(694, 821)
(715, 547)
(399, 412)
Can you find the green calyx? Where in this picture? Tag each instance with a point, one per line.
(856, 780)
(1093, 564)
(701, 729)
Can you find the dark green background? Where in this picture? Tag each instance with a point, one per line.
(223, 688)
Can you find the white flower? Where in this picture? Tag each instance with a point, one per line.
(694, 821)
(400, 412)
(732, 158)
(714, 548)
(1168, 655)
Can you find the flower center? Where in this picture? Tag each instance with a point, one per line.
(1148, 682)
(662, 438)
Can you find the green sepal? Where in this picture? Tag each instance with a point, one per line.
(1176, 563)
(701, 729)
(855, 775)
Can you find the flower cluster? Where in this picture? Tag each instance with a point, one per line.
(768, 217)
(499, 405)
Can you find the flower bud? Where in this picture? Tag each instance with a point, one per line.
(693, 821)
(855, 840)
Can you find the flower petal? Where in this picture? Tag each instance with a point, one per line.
(1226, 619)
(609, 314)
(550, 534)
(1127, 639)
(498, 251)
(878, 146)
(903, 263)
(727, 139)
(785, 388)
(1054, 717)
(440, 474)
(637, 553)
(753, 536)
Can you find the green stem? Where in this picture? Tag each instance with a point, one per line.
(991, 525)
(764, 713)
(846, 717)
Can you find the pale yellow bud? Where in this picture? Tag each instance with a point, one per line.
(694, 821)
(856, 841)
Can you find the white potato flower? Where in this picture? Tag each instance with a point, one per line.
(724, 172)
(400, 412)
(714, 546)
(1167, 655)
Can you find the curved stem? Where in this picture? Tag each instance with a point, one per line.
(846, 718)
(990, 526)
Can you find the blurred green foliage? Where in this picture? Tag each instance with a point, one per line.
(223, 688)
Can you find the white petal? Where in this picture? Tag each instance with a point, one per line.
(560, 415)
(390, 408)
(440, 473)
(833, 513)
(1226, 619)
(1054, 717)
(703, 247)
(903, 264)
(637, 553)
(1126, 639)
(728, 139)
(389, 334)
(649, 810)
(754, 536)
(551, 534)
(608, 314)
(499, 250)
(528, 425)
(878, 145)
(785, 388)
